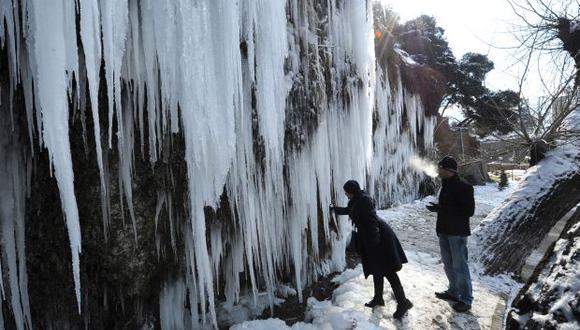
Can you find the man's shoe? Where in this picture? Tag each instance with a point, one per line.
(375, 302)
(402, 309)
(461, 307)
(445, 296)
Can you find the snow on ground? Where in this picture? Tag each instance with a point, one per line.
(558, 286)
(421, 278)
(246, 308)
(415, 225)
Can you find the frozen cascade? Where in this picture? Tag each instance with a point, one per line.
(390, 160)
(226, 76)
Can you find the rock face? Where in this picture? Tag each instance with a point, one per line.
(168, 157)
(550, 299)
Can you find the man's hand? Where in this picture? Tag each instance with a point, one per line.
(433, 207)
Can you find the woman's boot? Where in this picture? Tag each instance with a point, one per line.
(402, 308)
(378, 298)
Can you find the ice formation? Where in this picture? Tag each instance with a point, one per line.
(220, 73)
(13, 188)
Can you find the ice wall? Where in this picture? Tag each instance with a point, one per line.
(278, 102)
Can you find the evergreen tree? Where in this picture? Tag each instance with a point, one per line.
(424, 40)
(503, 180)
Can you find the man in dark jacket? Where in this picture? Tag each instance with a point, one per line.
(456, 206)
(376, 243)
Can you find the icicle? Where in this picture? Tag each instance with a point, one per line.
(271, 49)
(125, 148)
(70, 42)
(216, 245)
(9, 247)
(167, 36)
(161, 200)
(20, 243)
(151, 70)
(9, 16)
(90, 32)
(136, 69)
(172, 221)
(114, 22)
(234, 265)
(209, 83)
(26, 81)
(172, 300)
(106, 193)
(50, 50)
(13, 192)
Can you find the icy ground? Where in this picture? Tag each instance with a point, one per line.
(421, 277)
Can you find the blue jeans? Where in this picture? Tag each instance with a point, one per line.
(454, 257)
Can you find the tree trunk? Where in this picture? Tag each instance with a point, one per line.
(551, 284)
(512, 232)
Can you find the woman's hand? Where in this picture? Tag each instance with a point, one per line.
(433, 207)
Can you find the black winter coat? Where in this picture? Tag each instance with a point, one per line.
(376, 243)
(456, 206)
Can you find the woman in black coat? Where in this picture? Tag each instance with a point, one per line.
(378, 246)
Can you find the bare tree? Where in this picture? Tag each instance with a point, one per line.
(548, 36)
(548, 42)
(522, 229)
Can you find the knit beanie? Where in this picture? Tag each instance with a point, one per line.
(448, 163)
(352, 187)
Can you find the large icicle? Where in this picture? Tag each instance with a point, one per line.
(90, 31)
(50, 50)
(150, 68)
(210, 81)
(114, 22)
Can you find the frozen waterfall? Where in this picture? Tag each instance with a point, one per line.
(277, 102)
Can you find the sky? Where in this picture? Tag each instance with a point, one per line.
(472, 26)
(480, 26)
